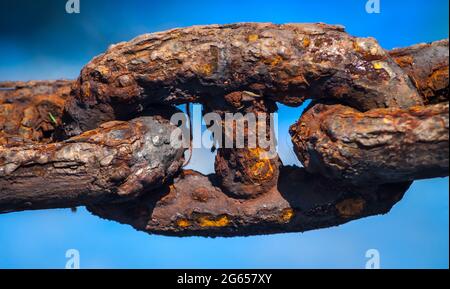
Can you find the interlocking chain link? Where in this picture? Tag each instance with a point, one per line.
(378, 121)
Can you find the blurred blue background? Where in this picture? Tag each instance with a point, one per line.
(39, 40)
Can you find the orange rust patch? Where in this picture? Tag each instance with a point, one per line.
(252, 37)
(350, 207)
(255, 152)
(306, 42)
(439, 78)
(103, 70)
(262, 169)
(188, 172)
(221, 221)
(404, 60)
(56, 98)
(275, 61)
(183, 223)
(206, 69)
(287, 214)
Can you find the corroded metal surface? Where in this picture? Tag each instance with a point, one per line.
(246, 172)
(193, 205)
(249, 170)
(31, 111)
(116, 160)
(427, 66)
(364, 138)
(377, 146)
(288, 63)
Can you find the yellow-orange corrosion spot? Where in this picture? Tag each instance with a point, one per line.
(102, 69)
(183, 223)
(252, 37)
(276, 60)
(287, 214)
(439, 78)
(306, 42)
(273, 61)
(205, 69)
(378, 65)
(257, 168)
(262, 169)
(387, 120)
(416, 109)
(404, 60)
(350, 207)
(205, 221)
(256, 153)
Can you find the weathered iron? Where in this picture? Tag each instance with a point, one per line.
(251, 169)
(194, 205)
(287, 63)
(427, 66)
(31, 111)
(378, 146)
(378, 121)
(116, 161)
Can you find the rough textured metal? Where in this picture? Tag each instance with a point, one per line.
(119, 160)
(193, 205)
(377, 146)
(117, 171)
(287, 63)
(246, 172)
(31, 111)
(251, 170)
(427, 65)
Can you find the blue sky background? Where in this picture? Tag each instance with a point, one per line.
(38, 40)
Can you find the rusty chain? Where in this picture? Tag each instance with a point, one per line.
(378, 120)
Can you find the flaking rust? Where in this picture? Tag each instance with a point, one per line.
(287, 63)
(364, 138)
(427, 66)
(377, 146)
(31, 111)
(300, 202)
(253, 169)
(115, 162)
(246, 172)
